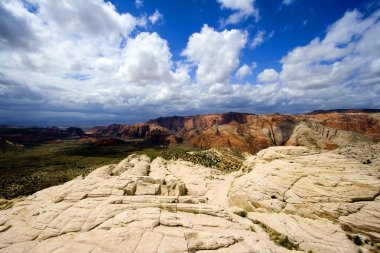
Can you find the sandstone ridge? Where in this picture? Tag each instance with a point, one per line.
(252, 133)
(283, 199)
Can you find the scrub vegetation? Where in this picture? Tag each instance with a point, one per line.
(26, 170)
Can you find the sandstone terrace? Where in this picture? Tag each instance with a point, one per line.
(283, 199)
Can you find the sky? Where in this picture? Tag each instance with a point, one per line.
(94, 62)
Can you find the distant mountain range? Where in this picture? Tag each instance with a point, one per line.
(251, 133)
(25, 135)
(243, 131)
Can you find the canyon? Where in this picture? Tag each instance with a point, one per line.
(289, 183)
(252, 133)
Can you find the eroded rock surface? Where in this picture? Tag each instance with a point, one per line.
(284, 199)
(134, 206)
(252, 133)
(314, 198)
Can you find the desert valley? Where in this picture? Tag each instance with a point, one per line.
(245, 183)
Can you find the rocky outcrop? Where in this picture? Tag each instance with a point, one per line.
(150, 132)
(246, 132)
(74, 131)
(283, 199)
(366, 124)
(6, 145)
(316, 135)
(252, 133)
(309, 195)
(134, 206)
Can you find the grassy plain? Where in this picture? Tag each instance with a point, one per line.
(30, 169)
(23, 171)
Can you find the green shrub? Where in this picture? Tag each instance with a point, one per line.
(223, 159)
(357, 240)
(35, 168)
(241, 213)
(367, 161)
(278, 238)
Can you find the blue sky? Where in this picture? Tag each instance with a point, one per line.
(97, 62)
(291, 25)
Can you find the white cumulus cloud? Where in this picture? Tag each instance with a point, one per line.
(147, 59)
(243, 9)
(79, 56)
(156, 17)
(243, 71)
(343, 57)
(216, 54)
(86, 18)
(258, 39)
(86, 60)
(268, 76)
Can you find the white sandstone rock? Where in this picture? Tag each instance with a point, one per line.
(176, 206)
